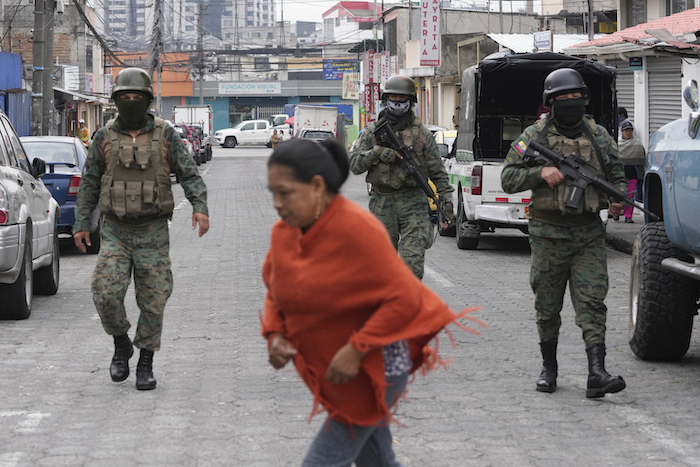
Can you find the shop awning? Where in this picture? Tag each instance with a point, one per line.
(76, 96)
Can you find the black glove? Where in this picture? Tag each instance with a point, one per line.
(384, 154)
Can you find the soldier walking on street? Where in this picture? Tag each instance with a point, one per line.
(128, 172)
(568, 244)
(396, 199)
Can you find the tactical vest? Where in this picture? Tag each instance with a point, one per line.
(390, 175)
(136, 182)
(548, 199)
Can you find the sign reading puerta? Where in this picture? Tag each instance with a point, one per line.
(430, 33)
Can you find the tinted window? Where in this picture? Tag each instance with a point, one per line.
(17, 147)
(7, 146)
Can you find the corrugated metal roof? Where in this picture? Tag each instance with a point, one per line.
(524, 43)
(685, 22)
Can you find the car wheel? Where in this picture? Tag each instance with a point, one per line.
(662, 303)
(230, 142)
(203, 156)
(17, 297)
(46, 278)
(467, 234)
(96, 239)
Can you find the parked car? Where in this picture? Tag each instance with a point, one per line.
(205, 141)
(248, 132)
(446, 137)
(665, 272)
(29, 249)
(65, 158)
(314, 135)
(193, 140)
(186, 138)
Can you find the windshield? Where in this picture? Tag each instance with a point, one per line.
(51, 151)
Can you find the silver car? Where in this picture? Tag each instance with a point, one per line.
(29, 249)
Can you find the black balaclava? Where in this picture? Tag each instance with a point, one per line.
(568, 115)
(133, 114)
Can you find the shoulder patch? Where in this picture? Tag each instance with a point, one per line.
(521, 147)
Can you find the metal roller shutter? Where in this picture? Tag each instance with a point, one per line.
(624, 83)
(664, 91)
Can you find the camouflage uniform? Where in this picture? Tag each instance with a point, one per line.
(141, 245)
(568, 245)
(397, 200)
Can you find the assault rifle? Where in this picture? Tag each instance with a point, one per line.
(386, 136)
(571, 167)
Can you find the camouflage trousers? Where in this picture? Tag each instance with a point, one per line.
(146, 252)
(576, 255)
(405, 216)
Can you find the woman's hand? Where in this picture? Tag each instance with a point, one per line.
(281, 351)
(344, 365)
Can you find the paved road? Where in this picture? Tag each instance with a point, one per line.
(218, 403)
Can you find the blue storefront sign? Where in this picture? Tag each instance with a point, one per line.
(334, 69)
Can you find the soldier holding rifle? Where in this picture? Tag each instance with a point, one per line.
(398, 198)
(567, 238)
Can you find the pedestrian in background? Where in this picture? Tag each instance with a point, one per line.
(354, 336)
(275, 139)
(96, 130)
(397, 200)
(128, 172)
(83, 133)
(568, 244)
(633, 157)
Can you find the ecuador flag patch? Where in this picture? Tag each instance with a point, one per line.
(521, 147)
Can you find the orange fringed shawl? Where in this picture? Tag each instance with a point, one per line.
(343, 281)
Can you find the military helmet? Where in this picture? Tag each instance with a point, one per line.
(399, 84)
(563, 81)
(132, 80)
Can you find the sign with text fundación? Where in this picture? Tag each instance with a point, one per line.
(250, 87)
(430, 33)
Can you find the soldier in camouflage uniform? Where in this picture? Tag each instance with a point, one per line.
(568, 245)
(396, 199)
(128, 172)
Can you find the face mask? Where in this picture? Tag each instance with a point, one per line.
(568, 112)
(132, 113)
(398, 108)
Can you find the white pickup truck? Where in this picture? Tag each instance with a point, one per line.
(500, 97)
(248, 132)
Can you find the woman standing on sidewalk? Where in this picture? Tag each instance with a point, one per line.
(631, 152)
(343, 306)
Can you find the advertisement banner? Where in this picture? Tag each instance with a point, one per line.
(367, 101)
(335, 69)
(370, 67)
(248, 88)
(375, 101)
(351, 86)
(430, 33)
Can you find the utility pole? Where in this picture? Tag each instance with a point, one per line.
(282, 42)
(157, 48)
(590, 20)
(37, 67)
(47, 107)
(200, 52)
(236, 41)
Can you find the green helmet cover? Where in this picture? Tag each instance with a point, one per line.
(132, 80)
(399, 84)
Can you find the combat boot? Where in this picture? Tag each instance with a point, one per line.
(548, 377)
(144, 371)
(123, 350)
(599, 381)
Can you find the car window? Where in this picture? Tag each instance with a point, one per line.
(17, 147)
(7, 146)
(51, 151)
(4, 158)
(262, 125)
(248, 126)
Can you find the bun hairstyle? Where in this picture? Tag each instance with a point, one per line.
(327, 158)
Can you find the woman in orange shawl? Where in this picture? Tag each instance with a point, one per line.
(342, 304)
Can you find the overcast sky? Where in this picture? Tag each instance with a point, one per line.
(305, 10)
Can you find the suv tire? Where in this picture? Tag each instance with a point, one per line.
(46, 278)
(662, 303)
(17, 297)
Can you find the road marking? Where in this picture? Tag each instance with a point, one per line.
(660, 436)
(30, 422)
(434, 275)
(10, 459)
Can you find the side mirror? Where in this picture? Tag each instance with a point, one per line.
(38, 167)
(442, 150)
(690, 94)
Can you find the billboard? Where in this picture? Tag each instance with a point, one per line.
(335, 69)
(430, 33)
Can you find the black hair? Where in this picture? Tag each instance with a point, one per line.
(622, 111)
(326, 158)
